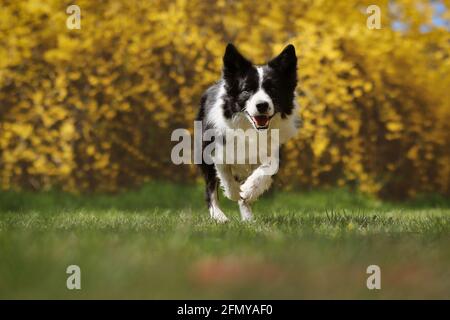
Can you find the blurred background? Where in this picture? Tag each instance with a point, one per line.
(86, 176)
(93, 109)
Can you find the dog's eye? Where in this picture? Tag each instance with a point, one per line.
(244, 95)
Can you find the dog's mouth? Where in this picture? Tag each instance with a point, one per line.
(260, 122)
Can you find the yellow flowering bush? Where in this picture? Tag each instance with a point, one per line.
(93, 109)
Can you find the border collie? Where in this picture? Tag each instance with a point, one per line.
(247, 97)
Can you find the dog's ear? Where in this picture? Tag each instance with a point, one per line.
(286, 61)
(234, 62)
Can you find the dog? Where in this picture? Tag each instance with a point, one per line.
(248, 97)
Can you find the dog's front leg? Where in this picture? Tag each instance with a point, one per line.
(246, 210)
(229, 185)
(255, 185)
(259, 181)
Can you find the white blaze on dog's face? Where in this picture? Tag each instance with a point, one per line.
(259, 91)
(259, 108)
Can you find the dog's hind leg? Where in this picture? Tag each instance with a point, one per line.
(211, 196)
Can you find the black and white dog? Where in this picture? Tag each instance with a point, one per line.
(247, 97)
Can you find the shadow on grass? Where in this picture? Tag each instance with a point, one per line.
(165, 195)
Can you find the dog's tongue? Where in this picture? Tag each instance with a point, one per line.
(261, 121)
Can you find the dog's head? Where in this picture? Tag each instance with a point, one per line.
(259, 91)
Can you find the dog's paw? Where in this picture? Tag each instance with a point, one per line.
(246, 211)
(248, 192)
(253, 188)
(218, 215)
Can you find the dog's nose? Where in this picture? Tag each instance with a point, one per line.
(262, 106)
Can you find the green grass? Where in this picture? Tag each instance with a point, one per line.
(158, 242)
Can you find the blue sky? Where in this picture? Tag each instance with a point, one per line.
(438, 20)
(439, 9)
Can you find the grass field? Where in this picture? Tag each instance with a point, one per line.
(158, 242)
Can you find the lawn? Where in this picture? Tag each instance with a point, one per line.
(158, 242)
